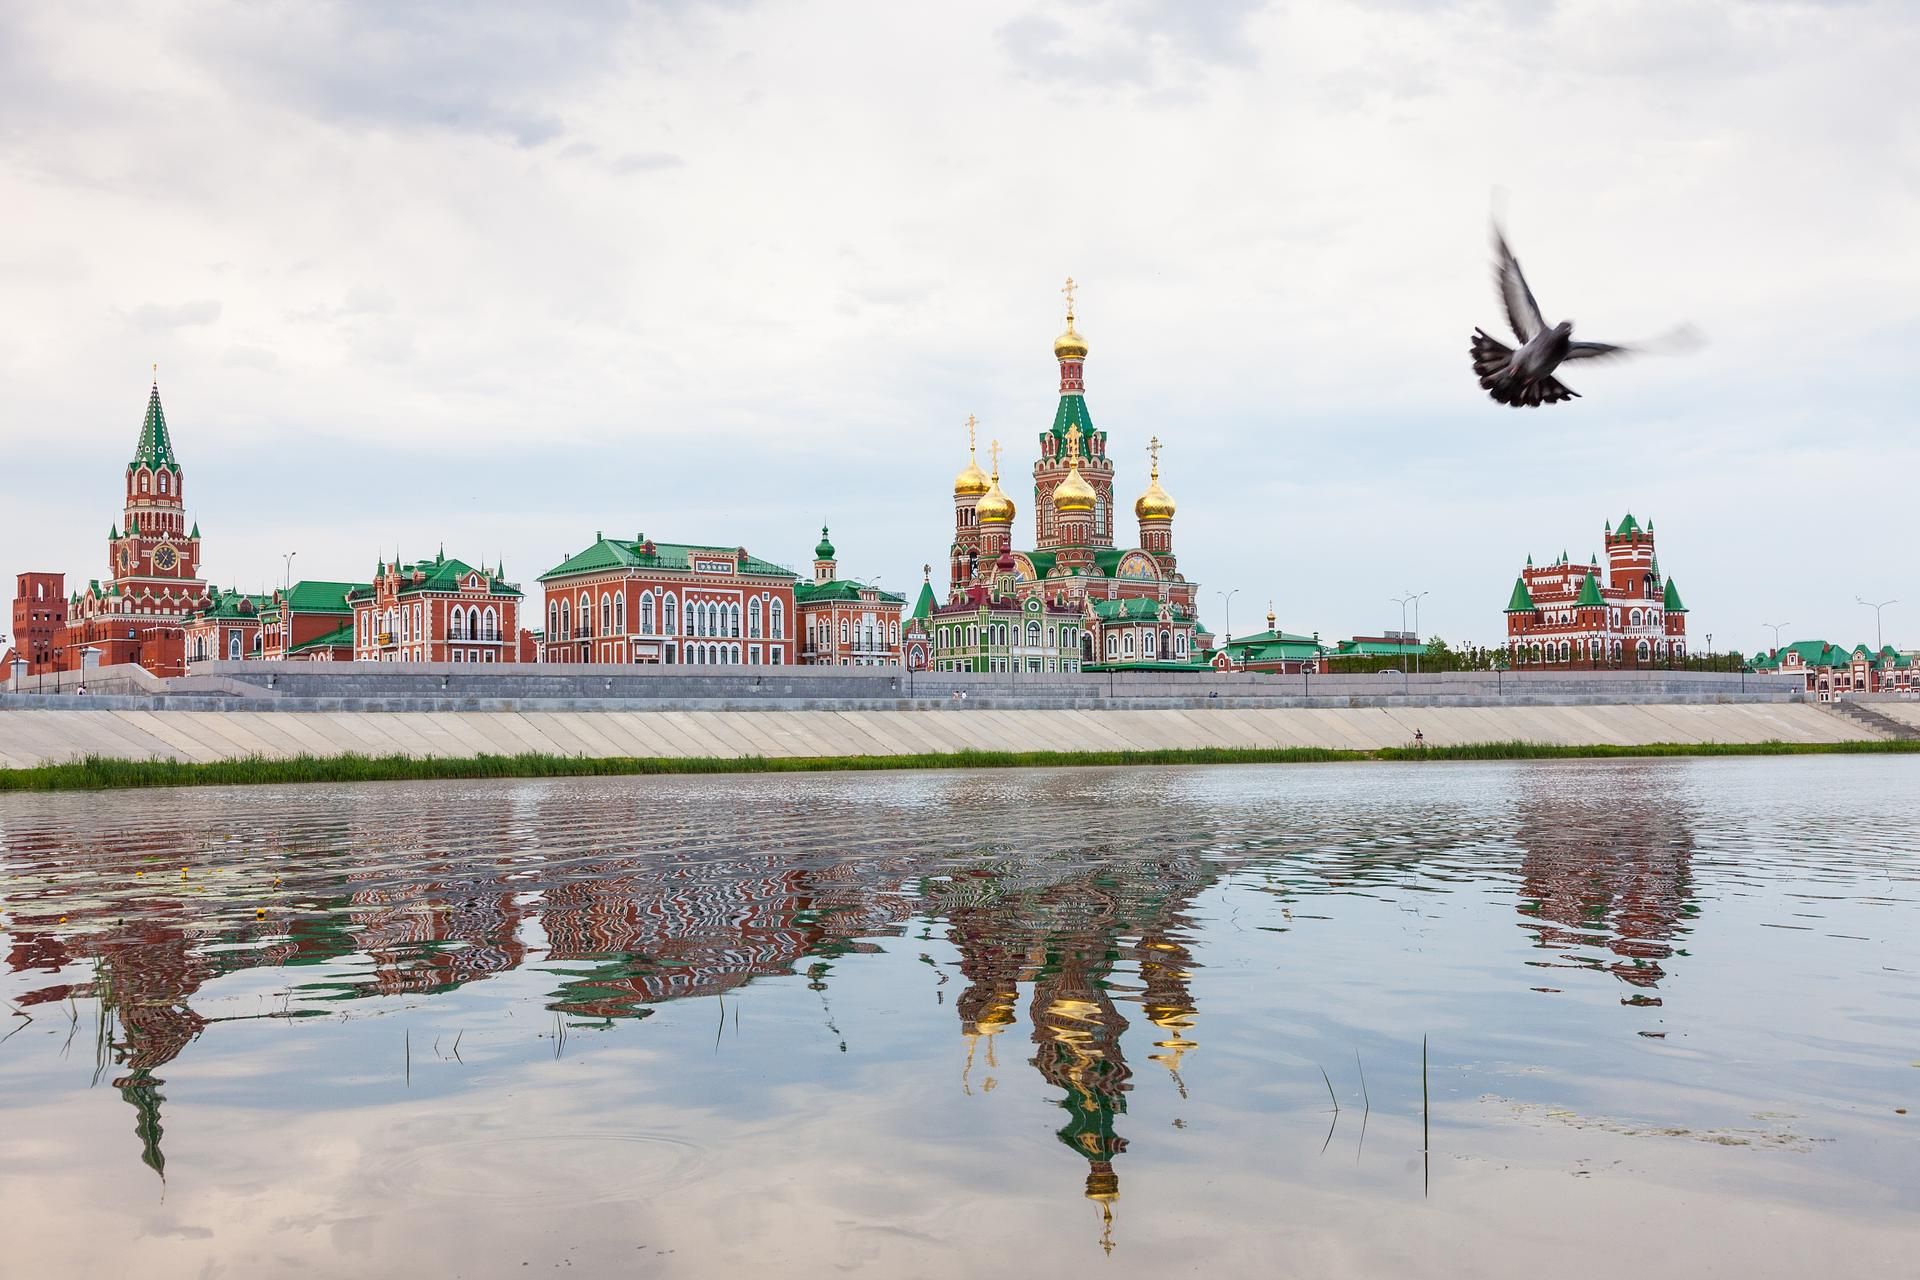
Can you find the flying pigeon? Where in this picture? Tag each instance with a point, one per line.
(1525, 377)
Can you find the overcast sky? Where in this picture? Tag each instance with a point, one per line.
(720, 272)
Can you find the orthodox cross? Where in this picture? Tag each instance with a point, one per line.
(1153, 447)
(971, 424)
(993, 451)
(1068, 289)
(1073, 444)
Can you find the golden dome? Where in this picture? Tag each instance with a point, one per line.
(1154, 504)
(1074, 493)
(1069, 345)
(971, 482)
(994, 507)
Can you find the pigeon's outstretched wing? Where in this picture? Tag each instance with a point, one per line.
(1523, 313)
(1594, 351)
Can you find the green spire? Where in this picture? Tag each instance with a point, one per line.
(1628, 527)
(196, 530)
(1529, 562)
(156, 447)
(133, 527)
(1522, 600)
(1590, 592)
(1673, 599)
(824, 549)
(113, 533)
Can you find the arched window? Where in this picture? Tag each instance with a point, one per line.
(143, 482)
(893, 632)
(843, 631)
(735, 611)
(606, 613)
(458, 631)
(566, 620)
(671, 615)
(553, 620)
(1113, 644)
(585, 616)
(779, 629)
(646, 613)
(1033, 634)
(493, 625)
(620, 613)
(1126, 645)
(1180, 644)
(1566, 652)
(753, 618)
(233, 647)
(163, 482)
(1634, 618)
(1642, 651)
(473, 623)
(1536, 651)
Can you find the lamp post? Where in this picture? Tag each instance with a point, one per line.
(1226, 605)
(1710, 665)
(1777, 628)
(1416, 627)
(1877, 642)
(1403, 602)
(286, 557)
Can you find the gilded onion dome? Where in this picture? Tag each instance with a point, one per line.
(972, 481)
(1155, 503)
(1070, 345)
(1074, 493)
(994, 507)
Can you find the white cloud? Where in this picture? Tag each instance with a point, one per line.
(723, 270)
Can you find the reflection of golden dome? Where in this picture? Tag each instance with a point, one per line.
(1074, 493)
(995, 507)
(971, 482)
(1155, 503)
(1070, 345)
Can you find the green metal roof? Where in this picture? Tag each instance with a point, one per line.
(840, 589)
(1627, 526)
(608, 553)
(442, 574)
(338, 639)
(1377, 648)
(1673, 604)
(155, 449)
(923, 607)
(1589, 592)
(1125, 610)
(322, 597)
(1521, 601)
(226, 604)
(1073, 413)
(823, 550)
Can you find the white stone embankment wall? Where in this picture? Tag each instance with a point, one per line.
(35, 736)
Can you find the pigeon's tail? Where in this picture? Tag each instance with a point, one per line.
(1489, 357)
(1528, 395)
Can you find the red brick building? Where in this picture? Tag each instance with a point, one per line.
(844, 623)
(1830, 671)
(136, 614)
(227, 630)
(668, 602)
(312, 621)
(1585, 616)
(39, 615)
(437, 610)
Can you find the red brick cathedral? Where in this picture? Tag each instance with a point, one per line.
(1581, 615)
(153, 577)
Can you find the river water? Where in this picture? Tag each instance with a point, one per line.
(959, 1023)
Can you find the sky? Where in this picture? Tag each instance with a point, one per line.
(497, 279)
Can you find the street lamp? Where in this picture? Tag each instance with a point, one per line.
(1416, 626)
(287, 559)
(1710, 665)
(1876, 617)
(1403, 602)
(1226, 605)
(1777, 627)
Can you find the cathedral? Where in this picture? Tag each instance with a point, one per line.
(1074, 601)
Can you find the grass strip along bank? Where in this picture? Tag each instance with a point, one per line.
(99, 773)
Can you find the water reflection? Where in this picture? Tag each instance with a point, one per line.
(1608, 872)
(1081, 916)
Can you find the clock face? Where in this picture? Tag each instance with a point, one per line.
(165, 557)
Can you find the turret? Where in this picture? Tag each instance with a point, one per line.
(969, 487)
(825, 567)
(1155, 509)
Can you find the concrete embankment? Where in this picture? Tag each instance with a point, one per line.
(33, 736)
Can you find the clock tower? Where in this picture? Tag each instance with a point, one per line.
(154, 557)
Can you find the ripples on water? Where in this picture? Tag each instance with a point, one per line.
(915, 1022)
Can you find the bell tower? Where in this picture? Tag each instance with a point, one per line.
(1054, 465)
(969, 487)
(154, 561)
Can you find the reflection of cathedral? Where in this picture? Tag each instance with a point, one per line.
(1076, 599)
(1610, 868)
(1085, 944)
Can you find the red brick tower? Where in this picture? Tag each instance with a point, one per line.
(969, 487)
(1155, 509)
(155, 563)
(39, 611)
(1630, 563)
(1053, 465)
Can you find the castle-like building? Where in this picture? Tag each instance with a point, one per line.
(1075, 600)
(1585, 616)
